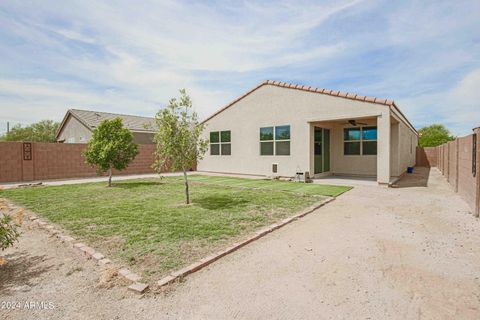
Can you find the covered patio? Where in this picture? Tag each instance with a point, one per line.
(363, 148)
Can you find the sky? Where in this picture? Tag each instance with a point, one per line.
(133, 56)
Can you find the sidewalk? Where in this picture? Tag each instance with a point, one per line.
(86, 180)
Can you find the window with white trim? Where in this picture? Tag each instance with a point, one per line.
(275, 141)
(220, 143)
(360, 141)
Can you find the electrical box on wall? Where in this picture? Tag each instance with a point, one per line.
(274, 167)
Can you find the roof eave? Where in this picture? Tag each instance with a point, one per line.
(333, 93)
(408, 123)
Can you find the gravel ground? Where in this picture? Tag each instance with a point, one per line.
(374, 253)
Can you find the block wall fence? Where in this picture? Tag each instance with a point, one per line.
(459, 162)
(24, 161)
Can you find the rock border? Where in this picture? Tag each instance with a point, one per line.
(202, 263)
(87, 251)
(140, 287)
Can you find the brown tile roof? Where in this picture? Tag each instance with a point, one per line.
(91, 120)
(135, 123)
(340, 94)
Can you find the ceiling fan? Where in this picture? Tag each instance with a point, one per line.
(355, 123)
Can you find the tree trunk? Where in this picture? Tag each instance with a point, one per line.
(187, 195)
(110, 177)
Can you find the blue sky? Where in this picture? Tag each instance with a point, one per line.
(131, 57)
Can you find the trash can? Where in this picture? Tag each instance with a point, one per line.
(410, 170)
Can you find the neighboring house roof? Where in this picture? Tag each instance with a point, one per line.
(91, 120)
(340, 94)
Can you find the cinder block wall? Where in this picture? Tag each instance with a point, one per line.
(466, 180)
(426, 157)
(59, 161)
(10, 161)
(457, 163)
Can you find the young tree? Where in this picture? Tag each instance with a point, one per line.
(42, 131)
(434, 135)
(111, 147)
(178, 140)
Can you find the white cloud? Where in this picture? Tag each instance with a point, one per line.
(137, 57)
(73, 35)
(132, 58)
(458, 107)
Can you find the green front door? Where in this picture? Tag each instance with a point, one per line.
(321, 150)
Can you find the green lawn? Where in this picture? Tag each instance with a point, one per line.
(267, 184)
(144, 223)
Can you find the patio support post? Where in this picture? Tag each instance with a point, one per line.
(383, 148)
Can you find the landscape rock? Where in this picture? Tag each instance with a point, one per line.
(138, 287)
(98, 256)
(133, 277)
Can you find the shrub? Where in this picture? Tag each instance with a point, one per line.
(8, 232)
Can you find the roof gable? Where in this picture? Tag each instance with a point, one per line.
(339, 94)
(92, 119)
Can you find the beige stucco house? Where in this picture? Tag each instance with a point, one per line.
(77, 126)
(279, 129)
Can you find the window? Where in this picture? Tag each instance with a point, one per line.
(351, 141)
(369, 140)
(275, 140)
(266, 141)
(220, 143)
(360, 141)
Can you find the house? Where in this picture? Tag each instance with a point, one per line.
(77, 126)
(279, 129)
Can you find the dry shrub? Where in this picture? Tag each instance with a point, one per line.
(19, 215)
(107, 278)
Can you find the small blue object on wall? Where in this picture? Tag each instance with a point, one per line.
(410, 170)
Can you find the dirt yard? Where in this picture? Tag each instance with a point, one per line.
(411, 252)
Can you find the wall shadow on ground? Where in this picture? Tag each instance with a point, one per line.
(419, 178)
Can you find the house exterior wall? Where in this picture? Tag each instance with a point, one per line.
(274, 106)
(74, 132)
(143, 137)
(407, 145)
(350, 164)
(394, 149)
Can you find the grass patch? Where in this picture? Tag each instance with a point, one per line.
(145, 224)
(276, 185)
